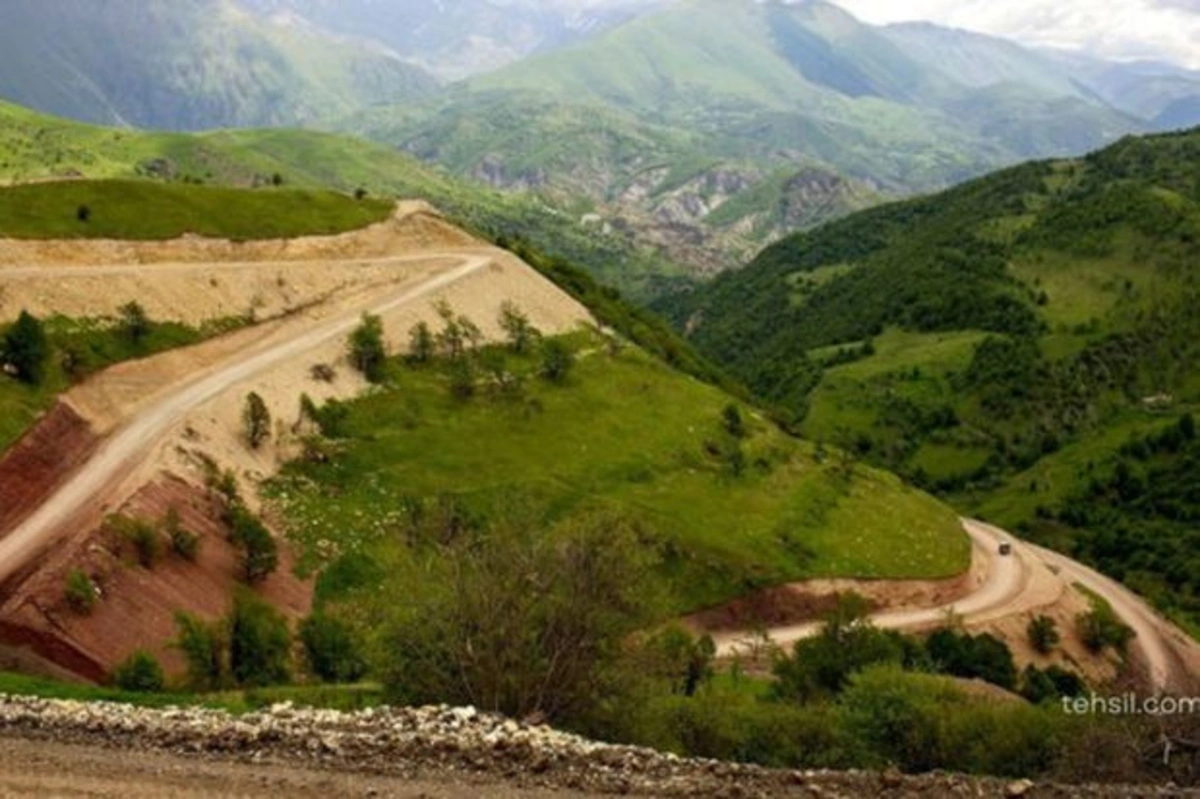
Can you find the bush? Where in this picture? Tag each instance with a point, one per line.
(140, 673)
(731, 419)
(184, 543)
(26, 348)
(203, 647)
(259, 642)
(515, 323)
(256, 420)
(1043, 634)
(260, 552)
(461, 373)
(332, 651)
(80, 592)
(983, 657)
(420, 343)
(367, 352)
(1101, 628)
(135, 324)
(557, 360)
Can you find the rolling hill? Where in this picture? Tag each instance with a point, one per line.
(37, 147)
(1021, 343)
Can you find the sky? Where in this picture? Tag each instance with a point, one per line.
(1118, 29)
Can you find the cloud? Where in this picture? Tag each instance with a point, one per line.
(1120, 29)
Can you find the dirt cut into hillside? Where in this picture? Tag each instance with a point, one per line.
(40, 461)
(136, 605)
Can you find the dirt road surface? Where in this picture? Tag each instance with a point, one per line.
(126, 446)
(1029, 578)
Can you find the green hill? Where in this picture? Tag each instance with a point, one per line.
(1000, 343)
(35, 147)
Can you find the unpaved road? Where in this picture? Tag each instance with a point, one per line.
(34, 768)
(1170, 656)
(122, 450)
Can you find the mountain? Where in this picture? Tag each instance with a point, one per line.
(1164, 93)
(722, 126)
(197, 64)
(36, 147)
(1024, 343)
(465, 37)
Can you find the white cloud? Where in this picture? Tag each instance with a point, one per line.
(1121, 29)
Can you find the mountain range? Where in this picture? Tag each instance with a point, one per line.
(700, 129)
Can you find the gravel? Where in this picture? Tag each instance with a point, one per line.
(461, 744)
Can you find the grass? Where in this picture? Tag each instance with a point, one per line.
(95, 344)
(630, 435)
(145, 210)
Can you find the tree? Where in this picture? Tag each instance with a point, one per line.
(515, 323)
(332, 651)
(732, 420)
(134, 322)
(1043, 634)
(185, 543)
(26, 348)
(140, 673)
(367, 351)
(259, 642)
(1101, 628)
(256, 420)
(420, 343)
(260, 552)
(202, 645)
(80, 592)
(462, 378)
(557, 360)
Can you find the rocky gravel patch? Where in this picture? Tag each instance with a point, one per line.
(462, 744)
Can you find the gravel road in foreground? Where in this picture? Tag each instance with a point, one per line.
(63, 748)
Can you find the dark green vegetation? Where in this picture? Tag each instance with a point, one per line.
(1025, 343)
(146, 210)
(72, 350)
(202, 64)
(37, 147)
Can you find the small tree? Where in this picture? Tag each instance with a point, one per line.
(26, 348)
(134, 322)
(260, 552)
(557, 360)
(515, 323)
(184, 543)
(420, 343)
(203, 647)
(1043, 634)
(140, 673)
(367, 351)
(256, 420)
(259, 642)
(731, 419)
(1100, 629)
(80, 592)
(462, 378)
(331, 649)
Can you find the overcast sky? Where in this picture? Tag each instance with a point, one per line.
(1124, 29)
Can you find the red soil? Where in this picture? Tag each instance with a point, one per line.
(137, 606)
(40, 461)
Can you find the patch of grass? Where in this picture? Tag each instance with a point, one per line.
(145, 210)
(626, 434)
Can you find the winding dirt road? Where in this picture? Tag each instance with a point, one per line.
(1171, 658)
(130, 443)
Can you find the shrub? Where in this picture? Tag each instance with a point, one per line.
(260, 552)
(331, 649)
(256, 420)
(80, 592)
(515, 323)
(83, 214)
(184, 543)
(462, 378)
(731, 419)
(1043, 634)
(367, 352)
(135, 324)
(140, 673)
(983, 657)
(141, 535)
(203, 647)
(26, 348)
(322, 373)
(557, 360)
(259, 642)
(1100, 629)
(420, 343)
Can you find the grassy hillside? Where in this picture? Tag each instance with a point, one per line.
(145, 210)
(999, 343)
(196, 65)
(34, 147)
(627, 436)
